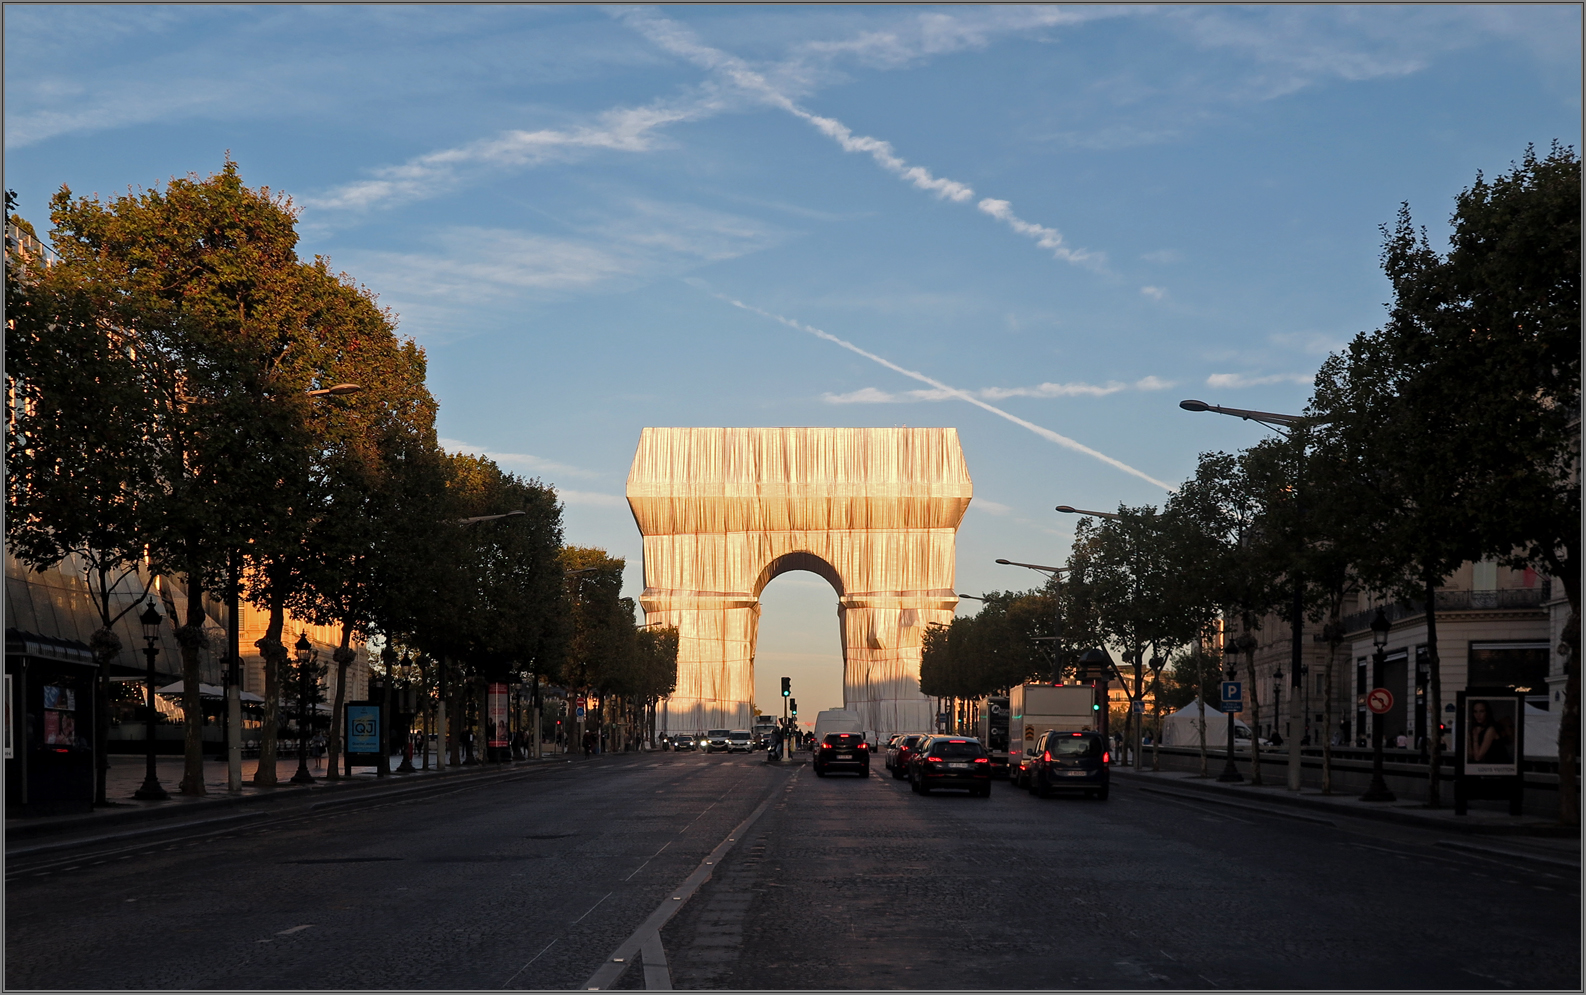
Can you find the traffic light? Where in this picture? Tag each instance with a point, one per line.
(787, 686)
(793, 706)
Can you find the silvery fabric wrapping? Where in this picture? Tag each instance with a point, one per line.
(725, 510)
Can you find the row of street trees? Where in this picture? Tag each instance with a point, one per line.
(170, 378)
(1450, 434)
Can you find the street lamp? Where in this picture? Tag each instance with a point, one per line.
(405, 668)
(489, 518)
(336, 391)
(1071, 510)
(151, 790)
(1056, 639)
(1280, 423)
(1270, 419)
(305, 657)
(1378, 791)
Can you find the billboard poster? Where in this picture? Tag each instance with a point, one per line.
(363, 729)
(1489, 727)
(496, 705)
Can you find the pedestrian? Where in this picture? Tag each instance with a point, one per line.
(1401, 741)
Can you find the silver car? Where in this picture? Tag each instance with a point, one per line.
(739, 741)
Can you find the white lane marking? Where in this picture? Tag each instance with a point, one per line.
(612, 969)
(531, 961)
(294, 929)
(593, 907)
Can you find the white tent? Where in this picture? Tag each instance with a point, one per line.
(1541, 731)
(1182, 728)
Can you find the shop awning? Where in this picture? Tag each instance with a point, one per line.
(204, 691)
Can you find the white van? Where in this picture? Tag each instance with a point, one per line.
(836, 720)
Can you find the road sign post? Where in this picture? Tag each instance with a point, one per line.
(1380, 701)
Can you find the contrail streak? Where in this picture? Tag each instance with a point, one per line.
(1044, 433)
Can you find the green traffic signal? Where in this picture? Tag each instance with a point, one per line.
(787, 686)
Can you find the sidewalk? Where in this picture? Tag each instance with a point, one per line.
(1529, 832)
(128, 814)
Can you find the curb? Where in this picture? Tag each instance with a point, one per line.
(1228, 797)
(293, 799)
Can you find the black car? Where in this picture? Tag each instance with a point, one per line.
(842, 751)
(950, 762)
(1070, 761)
(899, 752)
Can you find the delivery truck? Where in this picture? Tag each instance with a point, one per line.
(994, 733)
(1035, 708)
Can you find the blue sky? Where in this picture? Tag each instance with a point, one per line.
(598, 219)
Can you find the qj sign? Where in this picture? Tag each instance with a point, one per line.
(363, 729)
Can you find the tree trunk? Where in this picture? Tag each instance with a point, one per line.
(1255, 721)
(190, 639)
(1200, 702)
(106, 646)
(1434, 698)
(343, 657)
(273, 654)
(1327, 704)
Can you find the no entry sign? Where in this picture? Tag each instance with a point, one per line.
(1380, 701)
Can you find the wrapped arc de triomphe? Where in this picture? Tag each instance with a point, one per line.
(724, 510)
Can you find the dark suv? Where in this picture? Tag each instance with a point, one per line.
(950, 762)
(899, 752)
(1070, 761)
(842, 751)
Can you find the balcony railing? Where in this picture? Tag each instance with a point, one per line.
(1455, 601)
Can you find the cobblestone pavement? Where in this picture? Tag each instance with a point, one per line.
(538, 880)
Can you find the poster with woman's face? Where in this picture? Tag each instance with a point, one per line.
(1491, 743)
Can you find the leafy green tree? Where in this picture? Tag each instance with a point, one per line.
(199, 277)
(79, 458)
(377, 483)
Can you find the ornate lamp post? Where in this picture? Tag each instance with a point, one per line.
(405, 668)
(1378, 791)
(305, 657)
(151, 790)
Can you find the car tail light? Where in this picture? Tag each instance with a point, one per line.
(982, 760)
(864, 746)
(1047, 756)
(1106, 757)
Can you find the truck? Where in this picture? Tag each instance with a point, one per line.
(765, 728)
(993, 732)
(1035, 708)
(836, 720)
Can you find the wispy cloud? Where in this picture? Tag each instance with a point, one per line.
(1155, 293)
(592, 499)
(990, 507)
(873, 395)
(622, 129)
(533, 464)
(1310, 343)
(1235, 380)
(679, 40)
(485, 267)
(964, 395)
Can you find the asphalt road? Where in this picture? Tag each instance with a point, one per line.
(540, 879)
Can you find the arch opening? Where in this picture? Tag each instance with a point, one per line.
(798, 560)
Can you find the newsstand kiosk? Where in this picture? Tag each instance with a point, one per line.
(49, 725)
